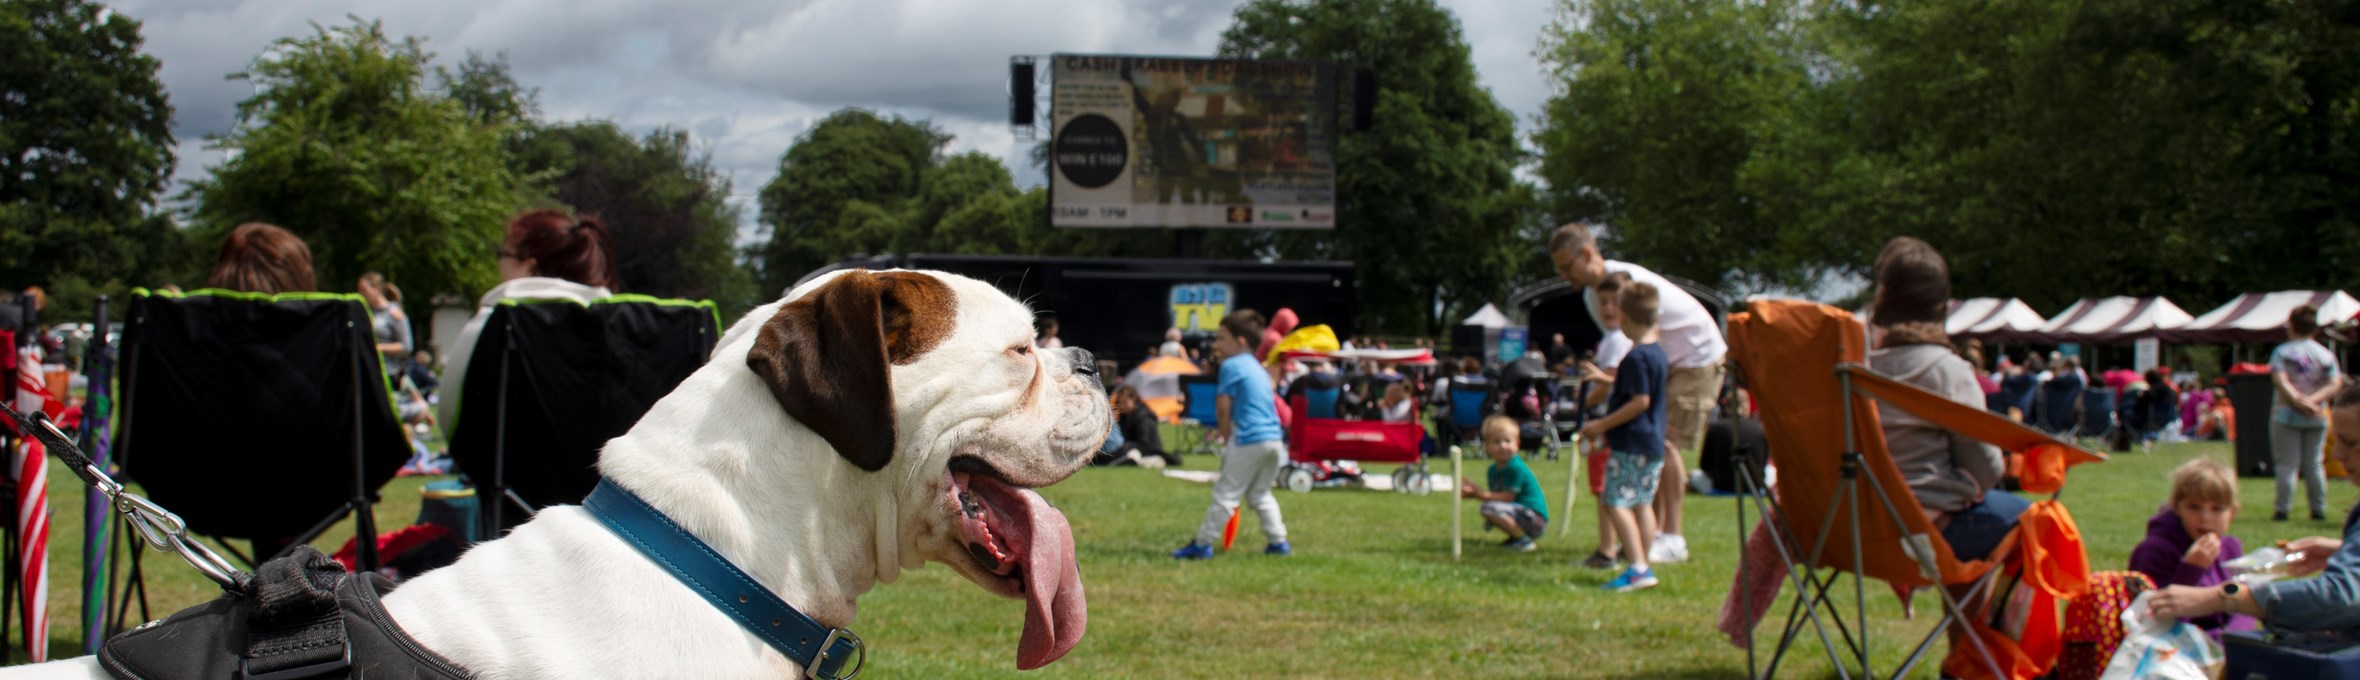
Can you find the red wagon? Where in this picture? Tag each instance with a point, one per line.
(1324, 451)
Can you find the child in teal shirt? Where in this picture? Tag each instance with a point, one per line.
(1515, 503)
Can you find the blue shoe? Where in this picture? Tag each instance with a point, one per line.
(1520, 544)
(1193, 551)
(1632, 579)
(1280, 549)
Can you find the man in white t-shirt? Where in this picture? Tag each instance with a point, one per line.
(1690, 338)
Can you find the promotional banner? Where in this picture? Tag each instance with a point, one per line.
(1160, 142)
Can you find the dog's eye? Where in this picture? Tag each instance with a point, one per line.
(1020, 349)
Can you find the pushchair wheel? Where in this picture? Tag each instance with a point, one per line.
(1297, 479)
(1421, 483)
(1401, 477)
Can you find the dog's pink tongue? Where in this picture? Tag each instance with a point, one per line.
(1054, 613)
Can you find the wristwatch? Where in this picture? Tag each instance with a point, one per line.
(2229, 593)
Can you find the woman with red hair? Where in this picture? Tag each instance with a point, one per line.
(546, 254)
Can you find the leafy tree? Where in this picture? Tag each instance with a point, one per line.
(85, 147)
(343, 144)
(1663, 107)
(2053, 149)
(488, 92)
(852, 156)
(1428, 203)
(666, 204)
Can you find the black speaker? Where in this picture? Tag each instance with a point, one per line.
(2251, 394)
(1364, 99)
(1732, 444)
(1020, 93)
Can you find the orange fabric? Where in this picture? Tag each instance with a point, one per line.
(2014, 660)
(2053, 557)
(1787, 352)
(2043, 639)
(1796, 357)
(2042, 468)
(1166, 409)
(1969, 420)
(2032, 655)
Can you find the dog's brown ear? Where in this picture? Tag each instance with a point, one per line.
(828, 355)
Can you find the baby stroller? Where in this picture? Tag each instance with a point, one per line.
(1527, 392)
(1324, 448)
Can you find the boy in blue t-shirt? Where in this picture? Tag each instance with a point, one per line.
(1247, 409)
(1634, 431)
(1514, 504)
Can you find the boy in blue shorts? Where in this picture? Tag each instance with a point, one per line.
(1634, 430)
(1514, 504)
(1247, 409)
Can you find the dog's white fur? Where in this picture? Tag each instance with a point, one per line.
(561, 597)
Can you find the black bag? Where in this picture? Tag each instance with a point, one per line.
(300, 612)
(1729, 442)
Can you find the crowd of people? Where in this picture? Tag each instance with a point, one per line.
(1648, 415)
(1656, 377)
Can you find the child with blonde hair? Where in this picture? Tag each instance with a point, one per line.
(1514, 503)
(2188, 540)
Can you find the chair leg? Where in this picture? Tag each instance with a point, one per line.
(1818, 588)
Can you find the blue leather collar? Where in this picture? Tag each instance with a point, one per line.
(820, 650)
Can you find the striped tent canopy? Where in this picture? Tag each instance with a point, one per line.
(2114, 320)
(1993, 320)
(2261, 317)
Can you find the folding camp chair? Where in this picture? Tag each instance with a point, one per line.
(2060, 398)
(1198, 395)
(551, 381)
(253, 416)
(1470, 400)
(1840, 503)
(2097, 414)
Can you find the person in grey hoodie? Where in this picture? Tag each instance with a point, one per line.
(1955, 478)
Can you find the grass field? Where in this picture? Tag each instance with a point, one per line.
(1372, 590)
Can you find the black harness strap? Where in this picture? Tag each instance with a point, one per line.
(296, 630)
(301, 617)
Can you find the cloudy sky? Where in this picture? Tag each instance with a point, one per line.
(745, 77)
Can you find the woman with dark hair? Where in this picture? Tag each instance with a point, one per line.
(262, 258)
(547, 254)
(1954, 477)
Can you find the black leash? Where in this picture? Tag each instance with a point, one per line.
(160, 528)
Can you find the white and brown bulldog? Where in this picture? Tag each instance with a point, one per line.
(868, 423)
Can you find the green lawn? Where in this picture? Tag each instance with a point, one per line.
(1371, 592)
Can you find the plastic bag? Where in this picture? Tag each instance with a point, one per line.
(2262, 566)
(2168, 649)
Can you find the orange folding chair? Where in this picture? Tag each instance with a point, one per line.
(1840, 505)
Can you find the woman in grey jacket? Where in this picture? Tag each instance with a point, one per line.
(1954, 477)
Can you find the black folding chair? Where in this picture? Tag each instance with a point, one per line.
(550, 381)
(259, 417)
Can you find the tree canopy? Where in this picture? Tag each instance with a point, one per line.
(86, 147)
(2052, 149)
(344, 144)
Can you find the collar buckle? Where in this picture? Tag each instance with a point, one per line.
(820, 658)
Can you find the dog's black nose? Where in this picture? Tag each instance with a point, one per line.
(1084, 363)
